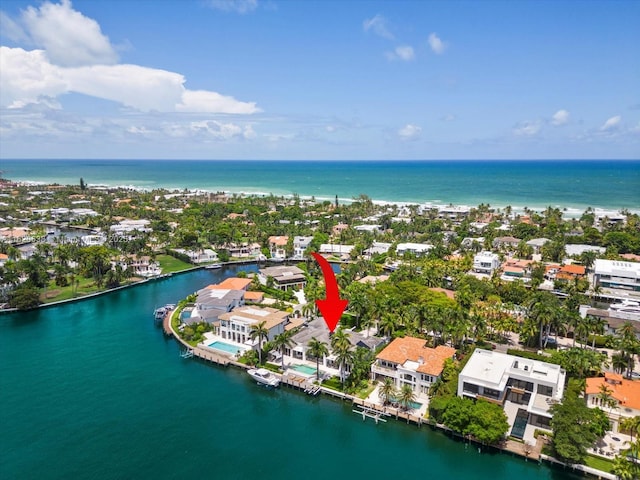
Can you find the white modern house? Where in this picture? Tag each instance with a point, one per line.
(300, 245)
(617, 274)
(236, 325)
(486, 262)
(407, 361)
(525, 388)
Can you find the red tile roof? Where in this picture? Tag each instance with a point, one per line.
(409, 348)
(626, 392)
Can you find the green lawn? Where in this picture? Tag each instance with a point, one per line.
(55, 293)
(170, 264)
(599, 463)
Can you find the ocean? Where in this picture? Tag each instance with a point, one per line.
(572, 185)
(93, 390)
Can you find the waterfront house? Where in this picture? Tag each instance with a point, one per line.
(486, 262)
(616, 274)
(278, 246)
(284, 277)
(300, 245)
(408, 361)
(336, 250)
(212, 301)
(525, 388)
(623, 394)
(140, 266)
(236, 325)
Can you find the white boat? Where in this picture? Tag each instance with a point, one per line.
(213, 266)
(264, 376)
(626, 306)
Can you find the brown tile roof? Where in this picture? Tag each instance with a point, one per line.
(256, 297)
(413, 349)
(294, 323)
(626, 392)
(573, 269)
(232, 283)
(279, 241)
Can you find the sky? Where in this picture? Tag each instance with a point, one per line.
(325, 79)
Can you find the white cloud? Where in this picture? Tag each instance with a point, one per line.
(69, 38)
(611, 124)
(403, 52)
(83, 63)
(237, 6)
(378, 25)
(410, 132)
(204, 101)
(436, 44)
(561, 117)
(527, 129)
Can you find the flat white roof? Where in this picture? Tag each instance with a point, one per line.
(618, 268)
(493, 369)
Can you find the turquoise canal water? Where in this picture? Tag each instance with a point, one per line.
(92, 390)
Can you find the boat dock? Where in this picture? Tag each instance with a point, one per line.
(300, 383)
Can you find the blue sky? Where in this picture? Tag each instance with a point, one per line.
(344, 79)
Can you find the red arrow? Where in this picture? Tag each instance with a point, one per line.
(332, 307)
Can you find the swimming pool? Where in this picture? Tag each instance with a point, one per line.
(225, 347)
(307, 370)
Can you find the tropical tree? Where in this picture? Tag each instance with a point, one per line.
(317, 349)
(342, 349)
(622, 468)
(260, 333)
(282, 342)
(387, 391)
(406, 396)
(629, 344)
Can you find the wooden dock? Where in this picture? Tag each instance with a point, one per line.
(166, 324)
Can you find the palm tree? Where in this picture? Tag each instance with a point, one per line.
(342, 348)
(623, 468)
(259, 332)
(628, 344)
(317, 349)
(631, 425)
(283, 341)
(406, 396)
(387, 391)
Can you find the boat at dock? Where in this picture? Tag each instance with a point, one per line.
(213, 266)
(264, 376)
(159, 313)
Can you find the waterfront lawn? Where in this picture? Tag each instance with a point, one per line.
(599, 463)
(169, 264)
(55, 293)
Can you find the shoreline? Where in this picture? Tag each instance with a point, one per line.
(569, 211)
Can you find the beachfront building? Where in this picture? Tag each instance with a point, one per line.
(300, 245)
(278, 246)
(623, 394)
(486, 262)
(236, 325)
(285, 277)
(417, 249)
(408, 361)
(525, 388)
(617, 275)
